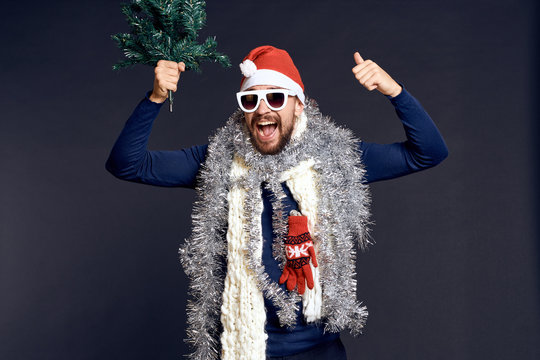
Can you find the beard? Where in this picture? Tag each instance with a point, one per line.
(285, 134)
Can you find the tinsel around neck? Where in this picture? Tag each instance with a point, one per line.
(342, 213)
(312, 142)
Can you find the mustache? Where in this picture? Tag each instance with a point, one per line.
(269, 117)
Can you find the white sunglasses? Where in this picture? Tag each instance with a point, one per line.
(275, 99)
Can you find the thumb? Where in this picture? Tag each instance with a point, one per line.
(301, 281)
(181, 66)
(357, 58)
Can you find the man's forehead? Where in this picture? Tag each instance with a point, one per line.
(263, 87)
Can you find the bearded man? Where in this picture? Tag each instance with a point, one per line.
(283, 203)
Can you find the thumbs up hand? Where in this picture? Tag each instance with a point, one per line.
(372, 76)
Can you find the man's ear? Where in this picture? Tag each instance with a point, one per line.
(298, 107)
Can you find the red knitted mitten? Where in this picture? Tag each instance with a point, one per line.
(298, 249)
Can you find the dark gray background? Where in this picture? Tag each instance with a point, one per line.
(88, 263)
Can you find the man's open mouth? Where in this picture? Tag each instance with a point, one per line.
(266, 129)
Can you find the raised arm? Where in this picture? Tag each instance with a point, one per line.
(424, 147)
(131, 160)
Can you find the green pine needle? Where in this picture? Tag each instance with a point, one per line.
(166, 30)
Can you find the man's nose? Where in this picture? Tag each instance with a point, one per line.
(263, 108)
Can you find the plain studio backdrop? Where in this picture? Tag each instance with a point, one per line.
(88, 263)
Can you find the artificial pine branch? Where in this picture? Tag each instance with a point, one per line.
(166, 30)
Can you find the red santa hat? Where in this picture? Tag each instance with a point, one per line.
(267, 65)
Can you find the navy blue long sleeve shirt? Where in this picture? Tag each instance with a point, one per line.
(131, 160)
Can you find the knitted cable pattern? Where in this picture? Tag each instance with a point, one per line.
(331, 194)
(242, 313)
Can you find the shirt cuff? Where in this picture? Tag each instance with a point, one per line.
(401, 98)
(147, 99)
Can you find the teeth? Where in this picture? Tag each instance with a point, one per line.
(263, 123)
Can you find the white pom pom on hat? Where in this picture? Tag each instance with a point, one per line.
(248, 68)
(267, 65)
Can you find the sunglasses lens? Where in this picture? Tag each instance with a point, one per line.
(249, 101)
(275, 100)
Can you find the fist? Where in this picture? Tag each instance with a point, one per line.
(167, 73)
(372, 76)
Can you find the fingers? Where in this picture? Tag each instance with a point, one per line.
(297, 277)
(167, 74)
(167, 85)
(308, 275)
(168, 64)
(361, 69)
(284, 275)
(372, 82)
(369, 79)
(372, 77)
(362, 66)
(368, 74)
(173, 65)
(301, 280)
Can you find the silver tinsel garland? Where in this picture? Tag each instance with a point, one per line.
(343, 219)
